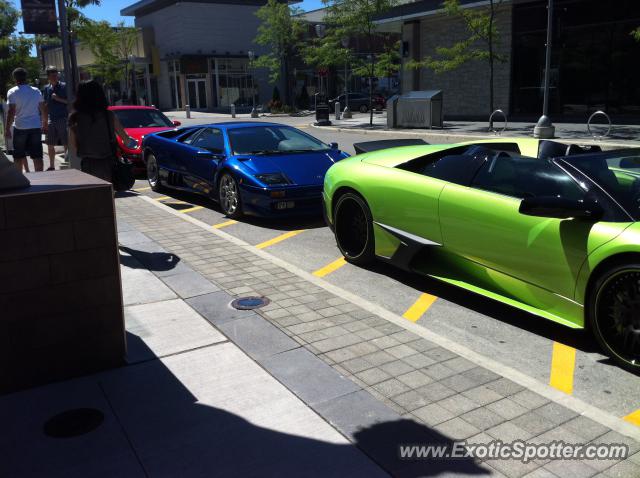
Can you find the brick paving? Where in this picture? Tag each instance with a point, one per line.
(415, 377)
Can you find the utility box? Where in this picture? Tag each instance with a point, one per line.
(419, 109)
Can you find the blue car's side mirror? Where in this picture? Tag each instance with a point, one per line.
(334, 145)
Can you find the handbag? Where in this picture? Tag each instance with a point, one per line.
(122, 177)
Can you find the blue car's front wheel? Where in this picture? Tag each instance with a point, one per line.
(229, 196)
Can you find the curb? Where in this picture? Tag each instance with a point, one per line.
(447, 137)
(612, 422)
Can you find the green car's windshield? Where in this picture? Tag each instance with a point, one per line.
(617, 172)
(272, 139)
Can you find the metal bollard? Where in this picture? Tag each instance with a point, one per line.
(337, 108)
(233, 110)
(187, 109)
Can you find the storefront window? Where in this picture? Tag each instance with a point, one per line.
(594, 62)
(234, 83)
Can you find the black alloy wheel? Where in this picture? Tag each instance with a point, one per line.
(354, 229)
(614, 314)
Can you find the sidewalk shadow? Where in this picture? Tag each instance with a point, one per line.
(154, 261)
(175, 433)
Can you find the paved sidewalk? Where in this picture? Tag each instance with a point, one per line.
(189, 402)
(416, 390)
(314, 384)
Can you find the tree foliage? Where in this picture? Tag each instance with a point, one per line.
(354, 19)
(280, 32)
(479, 44)
(15, 51)
(111, 47)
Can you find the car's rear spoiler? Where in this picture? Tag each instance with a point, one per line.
(368, 146)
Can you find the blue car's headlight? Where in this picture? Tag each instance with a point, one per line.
(272, 179)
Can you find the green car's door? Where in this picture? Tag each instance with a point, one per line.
(482, 223)
(404, 202)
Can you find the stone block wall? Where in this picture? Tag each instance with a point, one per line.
(466, 89)
(61, 311)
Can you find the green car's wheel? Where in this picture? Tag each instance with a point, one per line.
(354, 229)
(153, 173)
(229, 196)
(614, 314)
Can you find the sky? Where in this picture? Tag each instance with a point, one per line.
(110, 10)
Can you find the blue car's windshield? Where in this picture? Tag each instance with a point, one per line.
(270, 139)
(617, 172)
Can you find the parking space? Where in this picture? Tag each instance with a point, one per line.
(569, 360)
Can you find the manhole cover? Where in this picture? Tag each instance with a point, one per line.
(248, 303)
(73, 423)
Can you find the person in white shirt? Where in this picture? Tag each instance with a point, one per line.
(28, 116)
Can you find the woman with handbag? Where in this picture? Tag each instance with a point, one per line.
(93, 130)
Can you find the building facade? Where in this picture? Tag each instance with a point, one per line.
(593, 65)
(198, 52)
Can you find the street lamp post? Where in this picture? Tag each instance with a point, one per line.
(544, 128)
(254, 112)
(347, 112)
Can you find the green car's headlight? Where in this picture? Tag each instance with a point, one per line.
(272, 178)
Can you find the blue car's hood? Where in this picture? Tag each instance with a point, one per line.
(304, 169)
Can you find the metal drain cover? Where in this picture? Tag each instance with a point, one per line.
(73, 423)
(249, 303)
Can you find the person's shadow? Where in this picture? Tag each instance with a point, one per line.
(153, 261)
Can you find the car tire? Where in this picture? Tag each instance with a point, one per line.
(153, 173)
(363, 108)
(229, 196)
(353, 226)
(613, 314)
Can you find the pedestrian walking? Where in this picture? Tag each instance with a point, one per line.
(93, 131)
(55, 95)
(28, 117)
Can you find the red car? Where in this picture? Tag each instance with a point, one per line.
(139, 121)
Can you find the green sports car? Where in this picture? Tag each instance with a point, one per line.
(546, 227)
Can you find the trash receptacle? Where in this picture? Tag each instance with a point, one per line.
(419, 109)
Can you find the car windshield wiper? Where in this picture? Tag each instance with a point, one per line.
(265, 151)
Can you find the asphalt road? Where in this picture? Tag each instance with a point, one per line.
(567, 359)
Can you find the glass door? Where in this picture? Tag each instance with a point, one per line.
(197, 93)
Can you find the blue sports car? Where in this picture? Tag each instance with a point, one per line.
(252, 168)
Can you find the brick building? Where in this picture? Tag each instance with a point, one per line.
(594, 62)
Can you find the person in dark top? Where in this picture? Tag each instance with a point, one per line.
(93, 131)
(55, 95)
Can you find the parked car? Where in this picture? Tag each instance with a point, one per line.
(548, 228)
(263, 169)
(140, 121)
(357, 102)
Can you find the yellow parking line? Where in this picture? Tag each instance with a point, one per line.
(162, 198)
(278, 239)
(191, 209)
(224, 224)
(419, 307)
(329, 268)
(563, 363)
(138, 190)
(633, 418)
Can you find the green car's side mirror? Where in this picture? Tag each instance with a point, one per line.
(561, 208)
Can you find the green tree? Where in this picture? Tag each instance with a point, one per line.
(353, 19)
(111, 47)
(280, 31)
(15, 51)
(480, 24)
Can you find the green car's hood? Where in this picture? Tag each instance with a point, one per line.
(394, 156)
